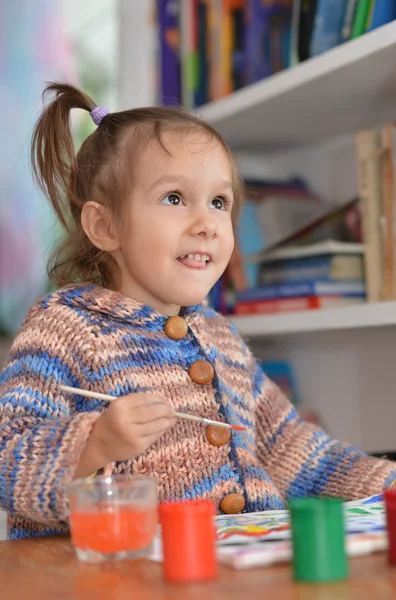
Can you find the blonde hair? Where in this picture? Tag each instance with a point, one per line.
(100, 171)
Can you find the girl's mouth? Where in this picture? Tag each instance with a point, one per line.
(195, 261)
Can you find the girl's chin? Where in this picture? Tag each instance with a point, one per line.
(191, 299)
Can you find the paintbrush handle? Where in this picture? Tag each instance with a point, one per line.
(107, 398)
(190, 417)
(87, 393)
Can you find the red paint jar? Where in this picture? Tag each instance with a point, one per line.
(189, 536)
(390, 507)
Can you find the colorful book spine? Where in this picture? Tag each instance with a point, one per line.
(325, 268)
(298, 289)
(285, 305)
(388, 292)
(189, 52)
(257, 65)
(361, 18)
(348, 21)
(168, 18)
(201, 95)
(368, 145)
(305, 27)
(238, 44)
(384, 11)
(327, 30)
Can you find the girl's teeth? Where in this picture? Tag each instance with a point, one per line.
(198, 257)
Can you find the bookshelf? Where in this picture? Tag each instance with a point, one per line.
(338, 92)
(303, 121)
(361, 316)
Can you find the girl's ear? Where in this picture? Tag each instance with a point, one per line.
(99, 227)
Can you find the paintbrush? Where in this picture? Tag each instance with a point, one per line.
(179, 415)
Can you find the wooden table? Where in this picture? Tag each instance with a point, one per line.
(46, 569)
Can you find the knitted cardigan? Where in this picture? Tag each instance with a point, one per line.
(89, 337)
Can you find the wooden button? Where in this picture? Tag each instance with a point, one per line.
(218, 436)
(201, 372)
(232, 504)
(176, 328)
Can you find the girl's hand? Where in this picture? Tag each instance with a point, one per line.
(125, 430)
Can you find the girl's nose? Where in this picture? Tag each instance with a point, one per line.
(204, 223)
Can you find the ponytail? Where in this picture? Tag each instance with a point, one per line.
(67, 181)
(52, 149)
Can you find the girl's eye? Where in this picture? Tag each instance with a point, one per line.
(220, 203)
(173, 199)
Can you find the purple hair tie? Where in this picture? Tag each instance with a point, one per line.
(98, 114)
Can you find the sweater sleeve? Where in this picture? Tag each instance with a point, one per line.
(41, 438)
(303, 460)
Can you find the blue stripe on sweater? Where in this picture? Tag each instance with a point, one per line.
(33, 402)
(312, 480)
(206, 484)
(290, 417)
(40, 363)
(19, 533)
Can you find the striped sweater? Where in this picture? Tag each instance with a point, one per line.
(96, 339)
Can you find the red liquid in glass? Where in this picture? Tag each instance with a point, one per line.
(108, 530)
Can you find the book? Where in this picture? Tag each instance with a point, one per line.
(257, 64)
(360, 20)
(267, 37)
(295, 32)
(284, 305)
(305, 27)
(308, 288)
(201, 95)
(348, 20)
(220, 49)
(323, 248)
(340, 225)
(383, 12)
(188, 52)
(368, 145)
(388, 292)
(168, 17)
(331, 267)
(328, 24)
(271, 187)
(279, 216)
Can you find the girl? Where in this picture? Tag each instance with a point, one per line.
(148, 204)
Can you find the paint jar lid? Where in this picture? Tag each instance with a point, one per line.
(188, 540)
(318, 536)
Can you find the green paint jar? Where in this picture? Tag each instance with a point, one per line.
(318, 536)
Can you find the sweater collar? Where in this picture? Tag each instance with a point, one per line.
(95, 298)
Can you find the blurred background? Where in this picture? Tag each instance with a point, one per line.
(42, 41)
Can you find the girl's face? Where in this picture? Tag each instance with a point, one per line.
(179, 235)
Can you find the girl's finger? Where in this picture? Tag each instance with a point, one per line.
(155, 428)
(150, 439)
(151, 413)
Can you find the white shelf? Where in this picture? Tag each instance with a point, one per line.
(360, 316)
(348, 88)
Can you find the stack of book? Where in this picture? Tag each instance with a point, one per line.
(209, 48)
(294, 278)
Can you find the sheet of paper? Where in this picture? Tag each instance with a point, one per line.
(361, 516)
(261, 539)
